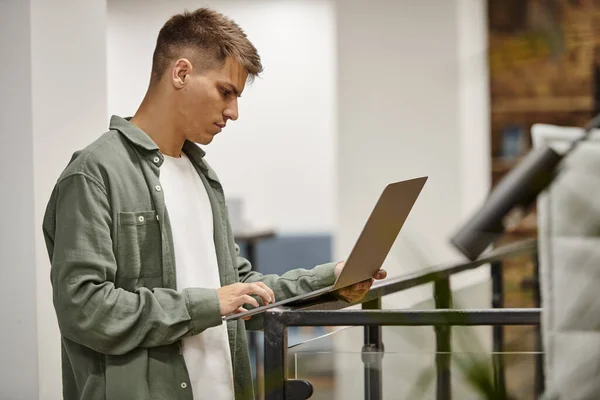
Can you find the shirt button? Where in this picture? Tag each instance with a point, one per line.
(158, 188)
(141, 218)
(183, 385)
(156, 160)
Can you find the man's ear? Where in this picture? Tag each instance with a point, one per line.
(180, 72)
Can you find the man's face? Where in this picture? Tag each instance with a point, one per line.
(209, 99)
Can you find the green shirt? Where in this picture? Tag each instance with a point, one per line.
(113, 274)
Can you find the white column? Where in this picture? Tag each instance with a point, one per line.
(474, 103)
(53, 103)
(18, 368)
(69, 111)
(412, 100)
(474, 118)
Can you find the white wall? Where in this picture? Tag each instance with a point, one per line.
(53, 101)
(412, 102)
(69, 111)
(280, 154)
(18, 369)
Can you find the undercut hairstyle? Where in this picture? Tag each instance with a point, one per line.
(210, 37)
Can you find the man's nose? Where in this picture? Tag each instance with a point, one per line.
(231, 112)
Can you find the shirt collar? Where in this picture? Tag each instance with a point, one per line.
(134, 134)
(196, 154)
(140, 138)
(193, 150)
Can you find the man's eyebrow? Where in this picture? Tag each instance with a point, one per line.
(233, 89)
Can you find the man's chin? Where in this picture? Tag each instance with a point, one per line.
(204, 139)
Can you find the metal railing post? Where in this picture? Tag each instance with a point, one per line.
(539, 358)
(275, 356)
(443, 335)
(372, 354)
(498, 330)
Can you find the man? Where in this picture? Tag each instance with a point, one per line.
(144, 265)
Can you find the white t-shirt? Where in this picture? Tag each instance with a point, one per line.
(207, 355)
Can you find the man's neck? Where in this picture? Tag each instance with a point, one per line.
(154, 119)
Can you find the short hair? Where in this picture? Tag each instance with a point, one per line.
(211, 36)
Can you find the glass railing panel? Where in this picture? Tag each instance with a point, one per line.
(411, 376)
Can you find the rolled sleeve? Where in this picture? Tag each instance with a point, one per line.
(204, 308)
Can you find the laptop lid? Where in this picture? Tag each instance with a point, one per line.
(380, 231)
(373, 244)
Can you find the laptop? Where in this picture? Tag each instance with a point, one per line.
(371, 248)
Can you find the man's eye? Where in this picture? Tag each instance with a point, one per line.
(225, 92)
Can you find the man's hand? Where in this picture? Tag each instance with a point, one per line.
(358, 290)
(233, 297)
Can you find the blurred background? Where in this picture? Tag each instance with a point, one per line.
(355, 94)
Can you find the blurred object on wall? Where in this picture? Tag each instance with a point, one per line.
(513, 142)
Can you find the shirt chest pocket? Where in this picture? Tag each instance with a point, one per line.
(139, 252)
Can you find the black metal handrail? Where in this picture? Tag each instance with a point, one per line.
(404, 282)
(327, 313)
(466, 317)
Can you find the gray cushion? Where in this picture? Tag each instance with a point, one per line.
(569, 243)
